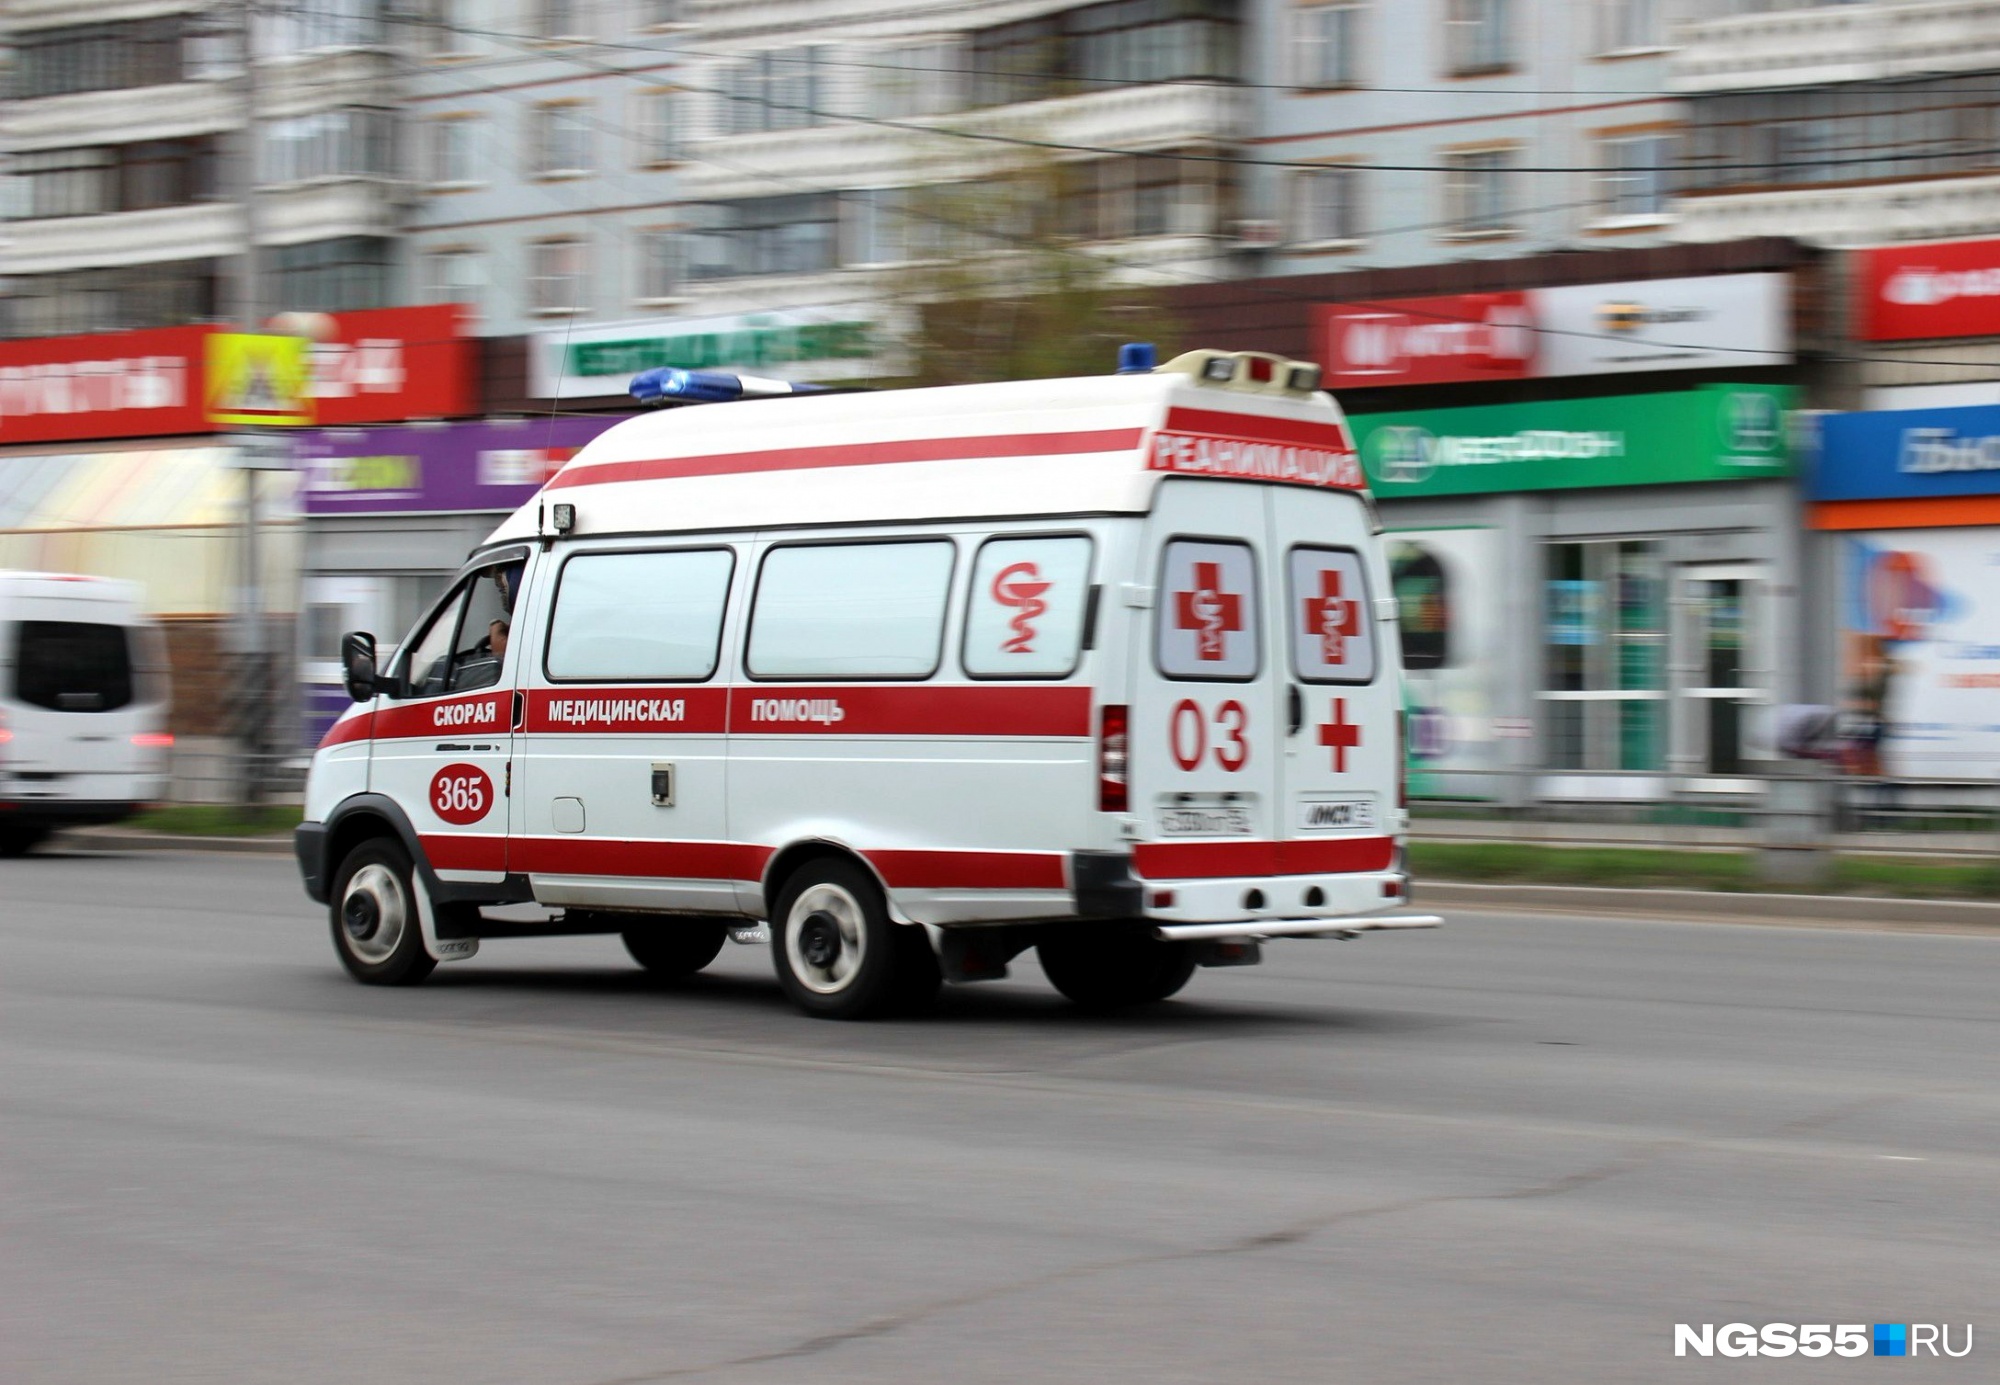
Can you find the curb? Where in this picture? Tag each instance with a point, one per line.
(1797, 909)
(112, 839)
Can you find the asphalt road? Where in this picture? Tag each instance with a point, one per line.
(1517, 1150)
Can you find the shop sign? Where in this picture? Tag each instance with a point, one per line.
(377, 366)
(490, 466)
(258, 379)
(1715, 433)
(1908, 453)
(1709, 322)
(1909, 292)
(1920, 652)
(814, 345)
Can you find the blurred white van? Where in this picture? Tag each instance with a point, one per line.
(83, 705)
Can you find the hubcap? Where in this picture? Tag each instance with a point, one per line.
(374, 912)
(825, 940)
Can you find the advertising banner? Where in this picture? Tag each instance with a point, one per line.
(377, 366)
(812, 345)
(1911, 292)
(1920, 652)
(1709, 322)
(1907, 454)
(1715, 433)
(436, 467)
(1448, 589)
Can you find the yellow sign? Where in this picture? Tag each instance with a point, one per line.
(259, 380)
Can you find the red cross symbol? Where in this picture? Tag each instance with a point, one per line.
(1340, 735)
(1332, 617)
(1208, 610)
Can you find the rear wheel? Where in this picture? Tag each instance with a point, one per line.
(374, 907)
(676, 948)
(19, 841)
(1114, 966)
(837, 952)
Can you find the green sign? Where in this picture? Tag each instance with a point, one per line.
(751, 343)
(1715, 433)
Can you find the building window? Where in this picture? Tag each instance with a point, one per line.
(456, 275)
(798, 234)
(559, 18)
(169, 294)
(1641, 179)
(1477, 35)
(1629, 25)
(1100, 47)
(1328, 47)
(286, 29)
(782, 89)
(332, 276)
(558, 275)
(657, 127)
(1605, 637)
(65, 182)
(352, 142)
(659, 264)
(1112, 199)
(1327, 205)
(915, 80)
(659, 14)
(561, 140)
(454, 150)
(117, 178)
(1477, 197)
(99, 57)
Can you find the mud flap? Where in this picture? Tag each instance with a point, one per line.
(440, 949)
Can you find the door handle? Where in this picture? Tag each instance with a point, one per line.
(520, 710)
(1295, 709)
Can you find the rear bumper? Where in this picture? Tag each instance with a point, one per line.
(65, 812)
(1329, 903)
(1294, 928)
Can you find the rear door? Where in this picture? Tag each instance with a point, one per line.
(1338, 772)
(1206, 732)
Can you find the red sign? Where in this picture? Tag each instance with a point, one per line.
(461, 794)
(1339, 735)
(1426, 341)
(1950, 289)
(112, 385)
(380, 366)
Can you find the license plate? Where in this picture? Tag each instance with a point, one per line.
(1205, 822)
(1337, 814)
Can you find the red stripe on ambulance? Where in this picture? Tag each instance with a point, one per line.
(918, 710)
(1210, 860)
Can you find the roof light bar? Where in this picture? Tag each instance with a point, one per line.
(672, 385)
(1253, 372)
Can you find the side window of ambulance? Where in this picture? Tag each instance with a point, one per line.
(1333, 637)
(639, 617)
(1206, 614)
(1026, 611)
(850, 610)
(464, 647)
(427, 665)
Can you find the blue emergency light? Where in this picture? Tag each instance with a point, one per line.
(671, 384)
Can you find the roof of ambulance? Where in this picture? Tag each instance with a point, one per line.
(1026, 448)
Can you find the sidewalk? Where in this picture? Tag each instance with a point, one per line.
(1691, 837)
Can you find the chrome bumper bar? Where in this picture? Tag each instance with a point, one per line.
(1293, 928)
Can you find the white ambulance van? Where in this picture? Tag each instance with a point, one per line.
(83, 705)
(921, 679)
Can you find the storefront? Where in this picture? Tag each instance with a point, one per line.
(1597, 591)
(1907, 504)
(390, 513)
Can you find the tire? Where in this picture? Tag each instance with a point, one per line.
(19, 841)
(838, 954)
(374, 916)
(1114, 966)
(676, 948)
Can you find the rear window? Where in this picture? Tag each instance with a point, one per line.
(850, 610)
(1333, 640)
(1207, 623)
(73, 666)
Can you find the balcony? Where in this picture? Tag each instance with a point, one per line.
(200, 230)
(847, 155)
(1835, 43)
(119, 117)
(1869, 214)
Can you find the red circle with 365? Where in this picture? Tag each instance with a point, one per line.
(461, 794)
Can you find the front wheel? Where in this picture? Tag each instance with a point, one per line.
(837, 952)
(375, 927)
(1114, 966)
(678, 948)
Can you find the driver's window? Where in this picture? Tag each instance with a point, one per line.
(464, 648)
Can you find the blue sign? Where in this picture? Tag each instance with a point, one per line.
(1905, 453)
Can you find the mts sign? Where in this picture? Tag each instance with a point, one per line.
(1427, 341)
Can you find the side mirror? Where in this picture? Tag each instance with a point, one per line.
(357, 663)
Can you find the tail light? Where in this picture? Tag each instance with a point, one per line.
(1402, 759)
(154, 740)
(1113, 759)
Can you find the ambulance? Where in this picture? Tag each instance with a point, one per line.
(904, 683)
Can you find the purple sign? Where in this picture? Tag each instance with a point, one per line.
(487, 465)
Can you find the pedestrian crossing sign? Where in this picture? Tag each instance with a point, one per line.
(259, 379)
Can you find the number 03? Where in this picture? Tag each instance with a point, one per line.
(1187, 735)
